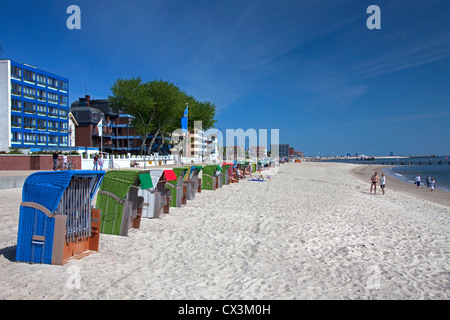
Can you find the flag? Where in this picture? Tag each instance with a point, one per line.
(99, 127)
(184, 121)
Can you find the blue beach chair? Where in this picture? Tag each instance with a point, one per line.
(57, 221)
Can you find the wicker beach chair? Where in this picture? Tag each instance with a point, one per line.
(157, 198)
(209, 179)
(119, 201)
(57, 221)
(176, 187)
(226, 173)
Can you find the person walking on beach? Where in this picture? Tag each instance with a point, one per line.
(382, 182)
(374, 180)
(55, 160)
(428, 182)
(432, 184)
(418, 180)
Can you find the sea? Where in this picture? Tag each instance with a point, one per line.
(406, 169)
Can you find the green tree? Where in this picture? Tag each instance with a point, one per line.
(131, 96)
(169, 103)
(200, 111)
(157, 107)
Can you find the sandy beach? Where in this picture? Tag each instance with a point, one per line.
(312, 232)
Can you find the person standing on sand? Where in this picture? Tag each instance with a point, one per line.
(432, 184)
(382, 182)
(428, 182)
(418, 180)
(374, 180)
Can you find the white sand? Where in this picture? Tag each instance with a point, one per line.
(312, 232)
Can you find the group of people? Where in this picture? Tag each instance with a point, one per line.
(98, 161)
(239, 172)
(374, 179)
(430, 182)
(65, 163)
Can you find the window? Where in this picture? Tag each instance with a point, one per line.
(63, 127)
(63, 113)
(52, 83)
(63, 85)
(41, 80)
(62, 100)
(41, 109)
(41, 124)
(42, 95)
(52, 97)
(16, 89)
(29, 76)
(16, 73)
(16, 105)
(29, 92)
(16, 136)
(52, 139)
(41, 138)
(29, 107)
(52, 125)
(62, 140)
(29, 137)
(29, 123)
(52, 111)
(16, 121)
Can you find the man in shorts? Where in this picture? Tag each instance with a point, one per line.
(374, 180)
(382, 182)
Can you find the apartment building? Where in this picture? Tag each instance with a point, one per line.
(34, 107)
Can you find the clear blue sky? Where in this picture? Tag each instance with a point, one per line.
(311, 69)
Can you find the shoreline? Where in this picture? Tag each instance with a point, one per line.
(363, 172)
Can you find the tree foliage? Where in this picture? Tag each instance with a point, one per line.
(157, 107)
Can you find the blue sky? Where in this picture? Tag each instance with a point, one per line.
(311, 69)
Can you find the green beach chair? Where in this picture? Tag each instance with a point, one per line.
(119, 201)
(176, 187)
(209, 179)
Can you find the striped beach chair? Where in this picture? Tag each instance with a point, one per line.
(157, 198)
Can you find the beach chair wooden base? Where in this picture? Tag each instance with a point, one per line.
(136, 222)
(184, 199)
(78, 249)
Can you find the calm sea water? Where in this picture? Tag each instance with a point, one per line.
(406, 169)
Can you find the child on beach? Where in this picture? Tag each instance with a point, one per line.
(374, 180)
(432, 184)
(382, 182)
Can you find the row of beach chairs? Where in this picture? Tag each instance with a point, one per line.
(58, 221)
